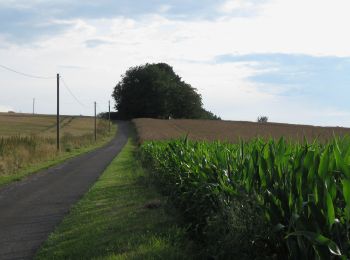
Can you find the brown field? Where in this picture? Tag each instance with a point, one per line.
(232, 131)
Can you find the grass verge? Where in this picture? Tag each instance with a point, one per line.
(26, 171)
(121, 217)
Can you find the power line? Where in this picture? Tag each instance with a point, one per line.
(43, 77)
(70, 92)
(25, 74)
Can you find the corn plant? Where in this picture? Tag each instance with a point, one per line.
(303, 189)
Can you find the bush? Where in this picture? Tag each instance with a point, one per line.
(262, 119)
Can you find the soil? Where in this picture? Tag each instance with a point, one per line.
(231, 131)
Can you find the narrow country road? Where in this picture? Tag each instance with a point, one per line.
(31, 209)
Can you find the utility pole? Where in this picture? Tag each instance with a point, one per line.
(58, 113)
(33, 106)
(95, 123)
(109, 115)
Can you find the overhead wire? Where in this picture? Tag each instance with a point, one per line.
(99, 107)
(25, 74)
(44, 77)
(71, 93)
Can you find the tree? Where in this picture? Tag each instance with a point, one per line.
(156, 91)
(262, 119)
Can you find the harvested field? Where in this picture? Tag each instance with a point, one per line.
(27, 140)
(12, 124)
(232, 131)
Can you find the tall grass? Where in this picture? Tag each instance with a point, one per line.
(274, 199)
(18, 152)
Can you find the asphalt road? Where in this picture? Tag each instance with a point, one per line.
(31, 209)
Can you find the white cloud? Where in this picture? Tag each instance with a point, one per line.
(235, 5)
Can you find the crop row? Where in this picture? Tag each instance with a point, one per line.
(301, 192)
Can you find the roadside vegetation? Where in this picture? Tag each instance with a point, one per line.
(31, 145)
(259, 199)
(121, 217)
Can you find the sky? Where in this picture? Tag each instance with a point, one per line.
(288, 60)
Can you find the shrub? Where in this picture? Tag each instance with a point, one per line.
(262, 119)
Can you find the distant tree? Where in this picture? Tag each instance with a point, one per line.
(114, 116)
(205, 114)
(156, 91)
(262, 119)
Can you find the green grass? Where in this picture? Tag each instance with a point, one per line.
(63, 156)
(112, 222)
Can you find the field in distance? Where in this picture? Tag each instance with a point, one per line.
(44, 125)
(232, 131)
(28, 140)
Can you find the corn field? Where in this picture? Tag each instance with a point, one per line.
(301, 189)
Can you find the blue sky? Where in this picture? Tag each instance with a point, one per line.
(323, 80)
(246, 57)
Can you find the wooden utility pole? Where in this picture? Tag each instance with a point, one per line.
(109, 115)
(58, 113)
(95, 123)
(33, 106)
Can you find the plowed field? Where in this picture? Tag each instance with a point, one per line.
(232, 131)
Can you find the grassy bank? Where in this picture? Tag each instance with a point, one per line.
(121, 217)
(21, 156)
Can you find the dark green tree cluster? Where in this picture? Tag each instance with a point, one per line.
(156, 91)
